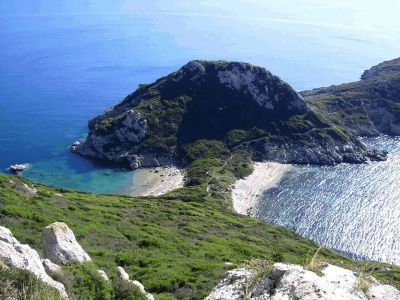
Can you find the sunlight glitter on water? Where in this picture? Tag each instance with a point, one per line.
(352, 208)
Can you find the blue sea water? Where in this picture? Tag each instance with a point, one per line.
(351, 208)
(64, 62)
(58, 69)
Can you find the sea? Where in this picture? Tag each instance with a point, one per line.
(354, 209)
(64, 62)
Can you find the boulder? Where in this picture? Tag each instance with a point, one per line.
(23, 188)
(60, 245)
(103, 275)
(50, 267)
(21, 256)
(284, 281)
(124, 276)
(232, 286)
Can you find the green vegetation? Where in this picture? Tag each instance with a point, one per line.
(19, 284)
(176, 245)
(82, 281)
(364, 107)
(180, 112)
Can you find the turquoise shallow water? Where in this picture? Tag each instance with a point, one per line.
(352, 208)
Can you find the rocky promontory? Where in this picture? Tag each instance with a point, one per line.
(367, 107)
(244, 106)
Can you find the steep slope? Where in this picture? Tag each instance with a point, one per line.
(242, 105)
(366, 107)
(178, 245)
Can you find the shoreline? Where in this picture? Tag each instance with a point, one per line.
(155, 181)
(246, 191)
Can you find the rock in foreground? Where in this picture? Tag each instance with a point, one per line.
(20, 256)
(60, 245)
(285, 281)
(125, 276)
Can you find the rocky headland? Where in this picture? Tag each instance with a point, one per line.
(245, 106)
(368, 107)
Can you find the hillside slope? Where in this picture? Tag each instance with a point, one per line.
(178, 245)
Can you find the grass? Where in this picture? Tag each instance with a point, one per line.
(19, 284)
(315, 262)
(176, 245)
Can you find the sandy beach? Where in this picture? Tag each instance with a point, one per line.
(246, 191)
(156, 181)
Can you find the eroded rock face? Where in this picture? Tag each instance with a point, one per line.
(265, 89)
(232, 286)
(20, 256)
(285, 281)
(60, 245)
(50, 267)
(329, 154)
(124, 276)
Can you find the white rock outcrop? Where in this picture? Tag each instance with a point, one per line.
(287, 282)
(21, 256)
(23, 188)
(232, 286)
(103, 275)
(50, 267)
(60, 245)
(124, 276)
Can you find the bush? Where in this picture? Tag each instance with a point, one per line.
(20, 284)
(124, 290)
(205, 149)
(82, 281)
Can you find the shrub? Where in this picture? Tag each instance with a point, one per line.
(20, 284)
(124, 290)
(82, 281)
